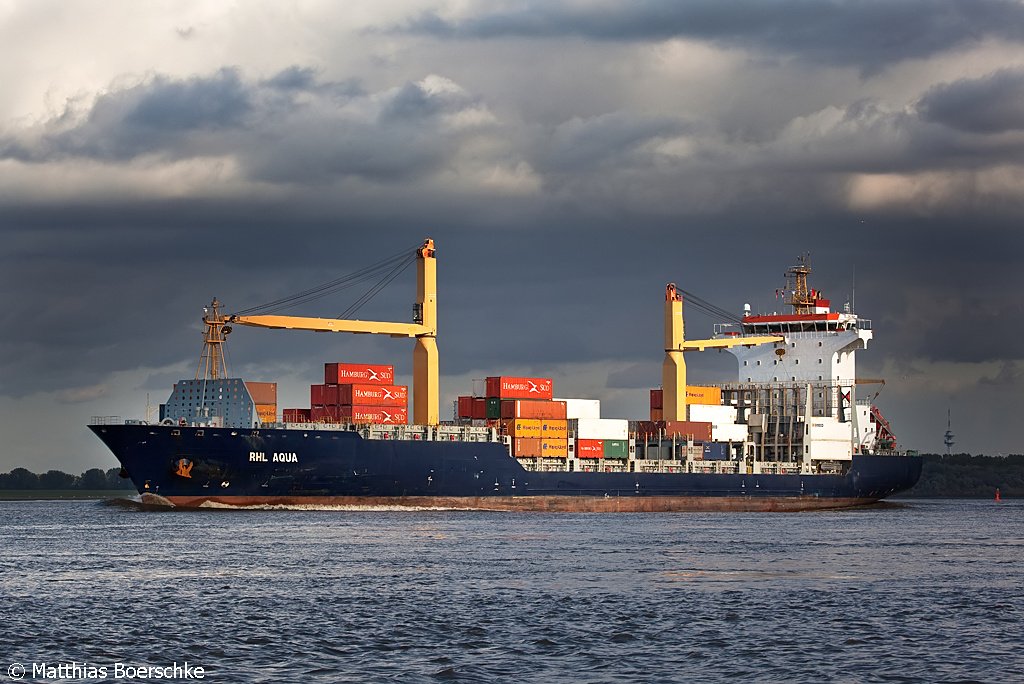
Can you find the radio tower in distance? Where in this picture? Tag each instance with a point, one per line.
(949, 435)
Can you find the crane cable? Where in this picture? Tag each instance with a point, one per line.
(401, 259)
(373, 291)
(707, 308)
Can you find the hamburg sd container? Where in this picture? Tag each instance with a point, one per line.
(367, 373)
(554, 448)
(524, 427)
(531, 408)
(390, 415)
(616, 448)
(509, 387)
(374, 395)
(590, 448)
(716, 451)
(527, 447)
(554, 429)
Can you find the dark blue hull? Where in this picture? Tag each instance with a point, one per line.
(191, 466)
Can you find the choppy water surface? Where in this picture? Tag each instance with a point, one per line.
(923, 591)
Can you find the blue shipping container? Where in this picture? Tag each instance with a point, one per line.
(716, 451)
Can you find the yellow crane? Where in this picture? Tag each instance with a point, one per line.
(425, 377)
(673, 370)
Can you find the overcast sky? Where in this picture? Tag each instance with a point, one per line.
(569, 159)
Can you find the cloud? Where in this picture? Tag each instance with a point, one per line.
(991, 104)
(868, 35)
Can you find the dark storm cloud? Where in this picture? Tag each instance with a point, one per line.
(588, 145)
(993, 104)
(291, 128)
(868, 34)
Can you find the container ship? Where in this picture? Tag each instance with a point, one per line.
(788, 434)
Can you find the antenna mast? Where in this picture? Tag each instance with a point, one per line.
(800, 296)
(212, 365)
(949, 435)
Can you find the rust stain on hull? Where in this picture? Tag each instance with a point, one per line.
(553, 504)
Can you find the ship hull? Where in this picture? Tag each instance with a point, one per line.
(200, 467)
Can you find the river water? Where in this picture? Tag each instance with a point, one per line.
(913, 591)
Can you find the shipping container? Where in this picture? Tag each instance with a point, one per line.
(554, 429)
(582, 408)
(555, 448)
(325, 414)
(716, 451)
(657, 415)
(699, 394)
(324, 395)
(688, 429)
(479, 408)
(390, 415)
(616, 448)
(373, 395)
(366, 373)
(590, 448)
(510, 387)
(297, 415)
(527, 447)
(262, 392)
(523, 427)
(656, 398)
(532, 408)
(493, 408)
(267, 413)
(600, 428)
(464, 407)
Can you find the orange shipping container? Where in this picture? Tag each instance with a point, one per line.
(373, 395)
(524, 427)
(532, 408)
(554, 429)
(508, 387)
(262, 392)
(347, 373)
(374, 414)
(556, 448)
(590, 448)
(657, 415)
(267, 413)
(698, 394)
(527, 447)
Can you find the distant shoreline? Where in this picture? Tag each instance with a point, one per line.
(64, 494)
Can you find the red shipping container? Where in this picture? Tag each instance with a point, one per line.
(324, 395)
(529, 408)
(590, 448)
(683, 429)
(347, 373)
(465, 407)
(509, 387)
(657, 415)
(297, 415)
(325, 414)
(373, 395)
(656, 398)
(390, 415)
(480, 408)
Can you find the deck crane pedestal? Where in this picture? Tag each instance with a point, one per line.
(423, 329)
(673, 370)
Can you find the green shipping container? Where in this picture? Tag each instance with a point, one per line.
(616, 448)
(493, 408)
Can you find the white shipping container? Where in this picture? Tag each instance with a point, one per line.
(600, 428)
(729, 432)
(705, 413)
(582, 408)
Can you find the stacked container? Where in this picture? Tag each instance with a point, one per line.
(264, 396)
(598, 438)
(359, 393)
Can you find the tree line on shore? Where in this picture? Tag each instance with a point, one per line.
(953, 475)
(94, 478)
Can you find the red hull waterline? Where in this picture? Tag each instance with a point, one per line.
(552, 504)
